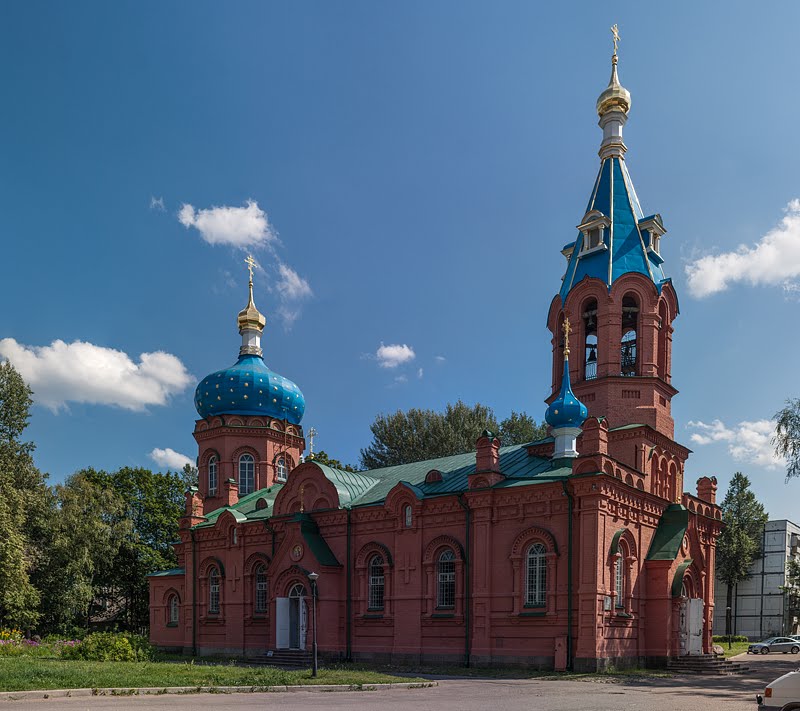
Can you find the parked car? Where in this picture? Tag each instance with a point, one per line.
(775, 644)
(782, 694)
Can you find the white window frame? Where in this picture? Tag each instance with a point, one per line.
(261, 589)
(214, 592)
(376, 597)
(213, 475)
(247, 474)
(174, 609)
(536, 576)
(281, 470)
(446, 580)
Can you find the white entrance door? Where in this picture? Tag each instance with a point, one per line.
(692, 626)
(282, 622)
(298, 617)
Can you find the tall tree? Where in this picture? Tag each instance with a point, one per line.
(415, 435)
(22, 503)
(322, 457)
(740, 542)
(792, 588)
(787, 436)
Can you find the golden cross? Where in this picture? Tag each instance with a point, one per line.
(615, 35)
(567, 330)
(251, 264)
(311, 434)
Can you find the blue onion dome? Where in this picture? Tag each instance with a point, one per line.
(566, 410)
(249, 388)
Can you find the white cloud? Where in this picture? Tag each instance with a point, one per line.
(242, 227)
(440, 359)
(420, 373)
(170, 459)
(291, 286)
(747, 442)
(157, 203)
(774, 260)
(393, 355)
(85, 373)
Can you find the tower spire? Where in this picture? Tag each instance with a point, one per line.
(613, 105)
(251, 321)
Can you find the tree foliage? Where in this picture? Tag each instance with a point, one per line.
(416, 434)
(787, 436)
(792, 587)
(740, 542)
(322, 457)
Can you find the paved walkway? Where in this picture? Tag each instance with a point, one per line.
(680, 693)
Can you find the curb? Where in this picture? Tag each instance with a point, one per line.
(160, 690)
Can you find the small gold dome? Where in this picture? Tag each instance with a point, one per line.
(615, 96)
(250, 317)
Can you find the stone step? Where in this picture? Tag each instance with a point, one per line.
(289, 658)
(707, 664)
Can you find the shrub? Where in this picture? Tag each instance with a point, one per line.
(720, 638)
(109, 647)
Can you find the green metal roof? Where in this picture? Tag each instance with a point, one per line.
(246, 508)
(165, 573)
(677, 580)
(669, 534)
(316, 542)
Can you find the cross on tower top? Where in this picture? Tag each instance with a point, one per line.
(311, 434)
(615, 36)
(567, 330)
(251, 265)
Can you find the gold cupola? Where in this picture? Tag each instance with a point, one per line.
(250, 320)
(614, 96)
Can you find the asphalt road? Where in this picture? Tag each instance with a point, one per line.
(680, 693)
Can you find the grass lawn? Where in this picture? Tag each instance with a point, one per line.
(28, 673)
(736, 648)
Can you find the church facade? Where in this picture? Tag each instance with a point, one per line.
(574, 552)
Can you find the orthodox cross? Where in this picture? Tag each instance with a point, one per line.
(615, 36)
(311, 434)
(567, 330)
(251, 264)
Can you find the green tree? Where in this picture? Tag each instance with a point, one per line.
(415, 435)
(787, 436)
(792, 588)
(521, 428)
(322, 457)
(190, 476)
(22, 503)
(740, 542)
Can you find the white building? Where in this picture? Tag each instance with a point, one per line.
(759, 606)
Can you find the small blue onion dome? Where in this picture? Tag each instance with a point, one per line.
(249, 388)
(566, 410)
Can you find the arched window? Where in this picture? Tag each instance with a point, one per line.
(247, 474)
(446, 579)
(261, 589)
(663, 341)
(407, 516)
(536, 576)
(280, 469)
(174, 609)
(628, 345)
(213, 591)
(619, 581)
(213, 478)
(590, 340)
(298, 590)
(376, 583)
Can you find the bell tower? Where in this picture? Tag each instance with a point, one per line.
(615, 293)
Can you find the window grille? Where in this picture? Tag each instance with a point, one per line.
(261, 589)
(213, 592)
(536, 576)
(446, 576)
(407, 516)
(376, 583)
(280, 469)
(173, 610)
(247, 474)
(619, 581)
(213, 481)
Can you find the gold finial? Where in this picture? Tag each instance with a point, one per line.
(302, 497)
(615, 37)
(311, 434)
(251, 263)
(567, 330)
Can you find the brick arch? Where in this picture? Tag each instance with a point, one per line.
(244, 449)
(168, 593)
(371, 548)
(629, 479)
(254, 560)
(236, 421)
(207, 454)
(638, 284)
(529, 534)
(608, 468)
(587, 467)
(623, 539)
(211, 561)
(442, 542)
(291, 576)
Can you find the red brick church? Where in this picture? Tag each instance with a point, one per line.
(576, 551)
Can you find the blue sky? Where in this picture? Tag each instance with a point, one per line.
(405, 174)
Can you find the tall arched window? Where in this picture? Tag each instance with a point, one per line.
(376, 582)
(407, 516)
(261, 589)
(446, 579)
(619, 581)
(663, 341)
(213, 591)
(174, 609)
(536, 576)
(247, 474)
(590, 340)
(280, 469)
(628, 345)
(213, 477)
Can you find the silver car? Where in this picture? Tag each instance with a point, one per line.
(775, 644)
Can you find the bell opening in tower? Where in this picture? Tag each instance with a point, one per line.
(590, 340)
(628, 349)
